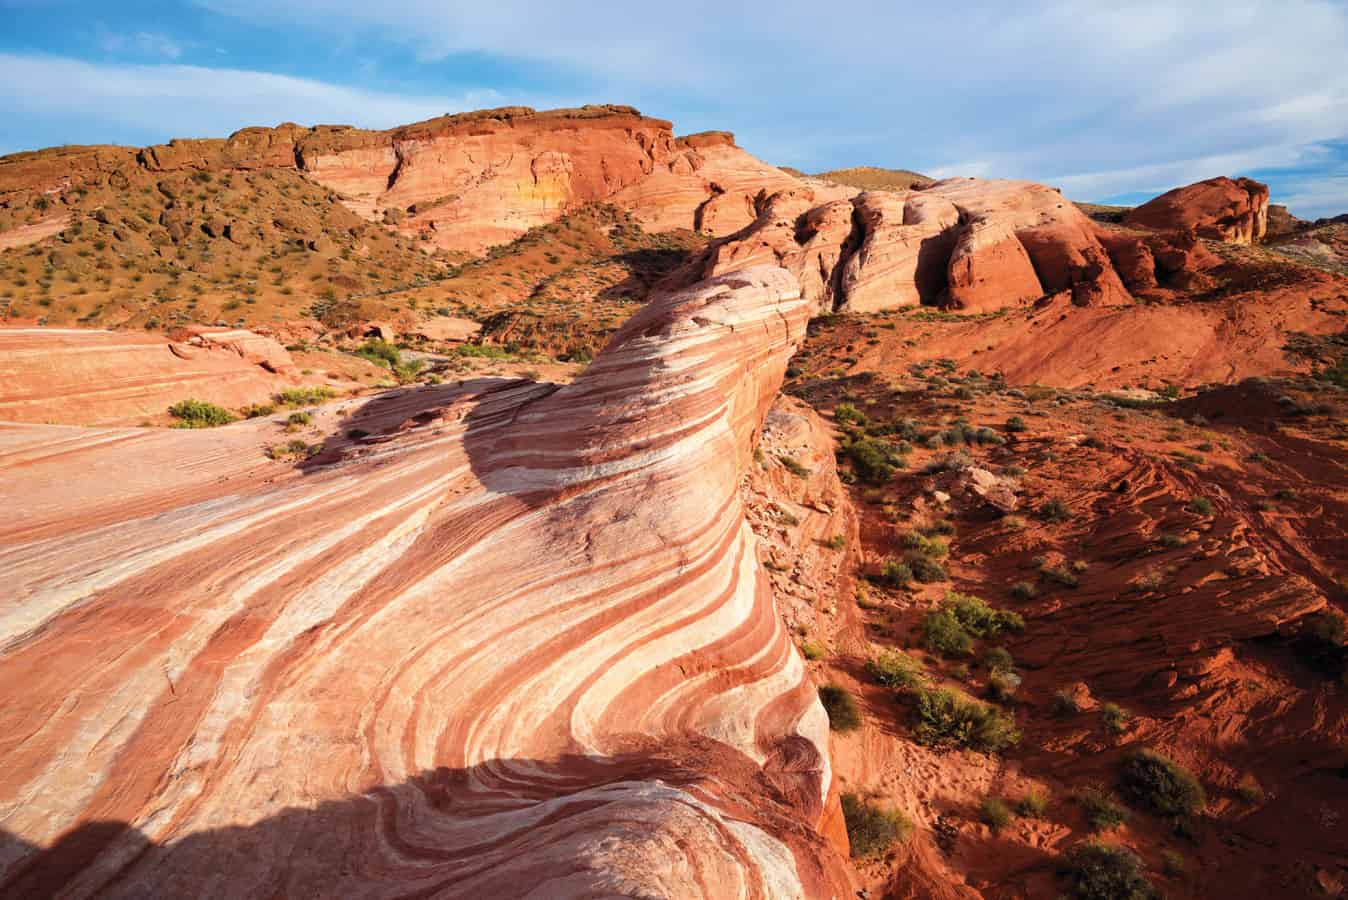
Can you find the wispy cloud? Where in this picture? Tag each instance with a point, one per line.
(140, 43)
(192, 101)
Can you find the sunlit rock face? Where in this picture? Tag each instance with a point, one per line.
(503, 639)
(1234, 210)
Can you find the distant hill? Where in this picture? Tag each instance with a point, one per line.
(874, 178)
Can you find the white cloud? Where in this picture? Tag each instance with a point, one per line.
(141, 43)
(192, 101)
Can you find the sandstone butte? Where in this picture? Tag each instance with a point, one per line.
(515, 641)
(1222, 209)
(468, 181)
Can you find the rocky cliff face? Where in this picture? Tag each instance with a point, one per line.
(1234, 210)
(494, 635)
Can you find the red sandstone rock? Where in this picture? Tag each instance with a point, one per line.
(1234, 210)
(515, 638)
(97, 377)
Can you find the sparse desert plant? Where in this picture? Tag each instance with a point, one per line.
(841, 706)
(1250, 790)
(942, 633)
(1201, 505)
(945, 718)
(872, 829)
(933, 547)
(813, 650)
(257, 410)
(1055, 510)
(837, 542)
(1103, 810)
(299, 418)
(1015, 425)
(292, 450)
(923, 568)
(1115, 718)
(1060, 575)
(1003, 685)
(995, 813)
(1096, 870)
(792, 466)
(1033, 804)
(895, 574)
(305, 396)
(1023, 591)
(894, 669)
(199, 414)
(874, 461)
(979, 619)
(999, 659)
(1158, 783)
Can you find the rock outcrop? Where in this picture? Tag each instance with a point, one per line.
(496, 640)
(970, 244)
(100, 377)
(1234, 210)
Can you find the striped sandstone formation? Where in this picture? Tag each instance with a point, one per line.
(504, 639)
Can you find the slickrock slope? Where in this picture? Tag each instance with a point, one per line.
(971, 244)
(99, 377)
(1223, 209)
(503, 640)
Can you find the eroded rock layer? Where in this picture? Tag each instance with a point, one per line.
(497, 640)
(973, 245)
(101, 377)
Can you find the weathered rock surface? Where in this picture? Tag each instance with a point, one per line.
(970, 244)
(1234, 210)
(513, 641)
(100, 377)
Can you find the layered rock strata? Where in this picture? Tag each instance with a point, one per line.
(503, 639)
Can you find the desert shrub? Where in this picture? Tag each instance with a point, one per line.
(1065, 704)
(1201, 505)
(939, 526)
(933, 547)
(1160, 784)
(995, 813)
(292, 450)
(795, 468)
(837, 542)
(257, 410)
(1102, 809)
(872, 829)
(895, 574)
(299, 418)
(874, 461)
(199, 414)
(923, 568)
(979, 619)
(1060, 575)
(1095, 870)
(1023, 591)
(1015, 425)
(305, 396)
(999, 659)
(1172, 540)
(1003, 684)
(380, 352)
(1115, 718)
(1055, 511)
(942, 633)
(895, 670)
(1033, 804)
(813, 650)
(841, 706)
(1250, 790)
(846, 413)
(945, 718)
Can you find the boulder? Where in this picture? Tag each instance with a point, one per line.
(1234, 210)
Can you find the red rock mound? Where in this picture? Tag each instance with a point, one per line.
(1234, 210)
(519, 636)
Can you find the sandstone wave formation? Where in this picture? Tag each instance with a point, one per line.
(503, 639)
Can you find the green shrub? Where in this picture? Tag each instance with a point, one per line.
(1102, 809)
(923, 568)
(813, 650)
(942, 633)
(979, 619)
(872, 829)
(895, 670)
(1015, 425)
(846, 413)
(305, 396)
(1055, 511)
(945, 718)
(1003, 684)
(994, 813)
(837, 542)
(1060, 575)
(380, 352)
(895, 574)
(841, 706)
(1023, 591)
(792, 466)
(874, 461)
(1098, 871)
(999, 659)
(1201, 505)
(1160, 784)
(1033, 804)
(1115, 718)
(299, 418)
(199, 414)
(1250, 790)
(933, 547)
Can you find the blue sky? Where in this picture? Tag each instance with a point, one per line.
(1109, 101)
